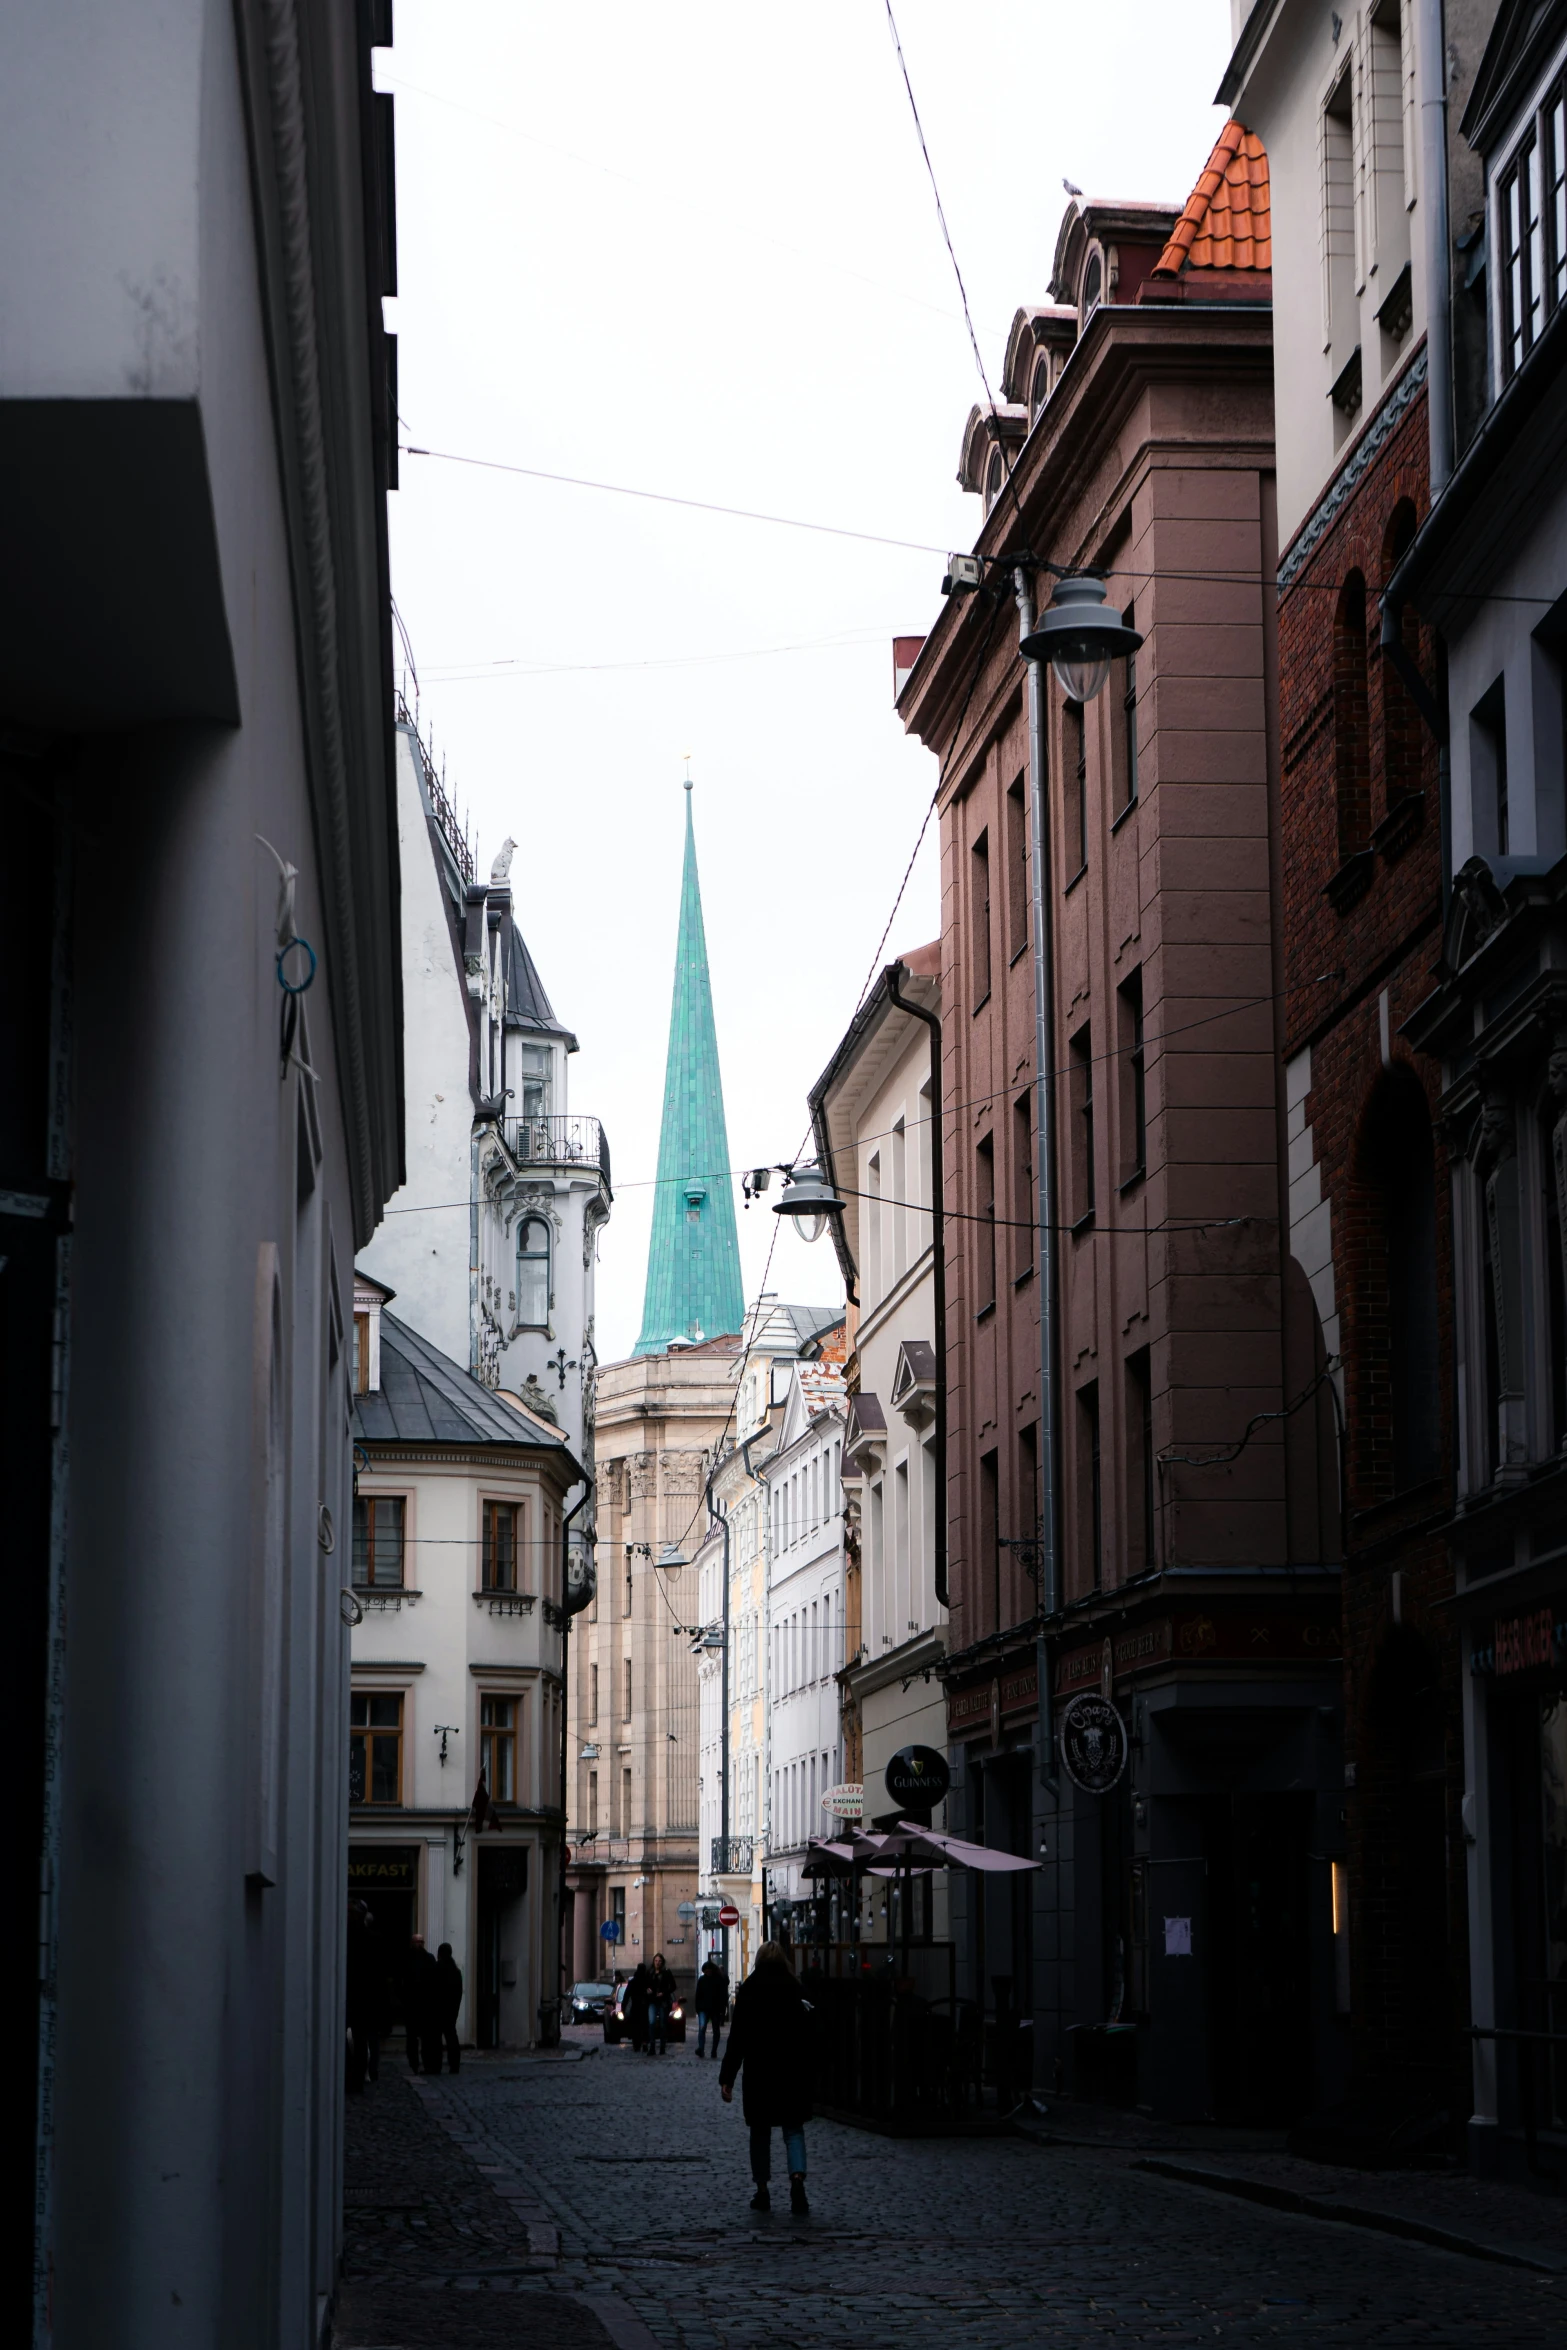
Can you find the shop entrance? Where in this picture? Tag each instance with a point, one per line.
(499, 2011)
(1257, 1867)
(385, 1877)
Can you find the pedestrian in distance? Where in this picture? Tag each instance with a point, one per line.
(712, 2004)
(660, 1991)
(448, 1996)
(363, 1997)
(637, 2003)
(770, 2041)
(419, 2009)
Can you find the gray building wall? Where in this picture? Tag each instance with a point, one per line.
(193, 408)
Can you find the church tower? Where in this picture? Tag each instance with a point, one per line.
(693, 1264)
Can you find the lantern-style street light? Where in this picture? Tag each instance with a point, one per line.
(1079, 634)
(809, 1199)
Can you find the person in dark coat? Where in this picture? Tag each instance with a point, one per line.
(448, 2004)
(419, 2009)
(770, 2040)
(363, 1998)
(660, 1995)
(637, 2003)
(712, 2004)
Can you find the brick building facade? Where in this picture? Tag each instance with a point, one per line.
(1372, 1229)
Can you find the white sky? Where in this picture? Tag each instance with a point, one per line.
(692, 248)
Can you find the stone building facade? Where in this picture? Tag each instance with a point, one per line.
(1178, 1945)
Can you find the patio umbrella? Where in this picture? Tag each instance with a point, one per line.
(912, 1846)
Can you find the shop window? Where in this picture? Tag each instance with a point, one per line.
(375, 1747)
(498, 1746)
(1351, 727)
(502, 1544)
(379, 1547)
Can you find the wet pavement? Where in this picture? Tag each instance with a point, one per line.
(593, 2195)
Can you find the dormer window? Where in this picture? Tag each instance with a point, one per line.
(994, 472)
(1039, 390)
(1093, 288)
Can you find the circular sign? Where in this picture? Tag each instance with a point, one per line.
(729, 1915)
(610, 1930)
(846, 1802)
(1093, 1743)
(918, 1776)
(685, 1909)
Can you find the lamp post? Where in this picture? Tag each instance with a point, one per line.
(808, 1200)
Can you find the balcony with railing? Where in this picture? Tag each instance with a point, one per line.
(564, 1141)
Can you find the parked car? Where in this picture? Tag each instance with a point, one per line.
(589, 2001)
(617, 2024)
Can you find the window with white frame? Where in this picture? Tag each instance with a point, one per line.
(1529, 229)
(533, 1273)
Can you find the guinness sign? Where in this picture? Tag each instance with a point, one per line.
(917, 1779)
(1093, 1743)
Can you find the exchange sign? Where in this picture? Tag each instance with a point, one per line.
(1093, 1743)
(846, 1802)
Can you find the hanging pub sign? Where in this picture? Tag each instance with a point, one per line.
(1093, 1743)
(917, 1777)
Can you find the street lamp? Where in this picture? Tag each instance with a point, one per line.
(1079, 634)
(671, 1557)
(809, 1199)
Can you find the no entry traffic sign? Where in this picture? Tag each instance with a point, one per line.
(729, 1915)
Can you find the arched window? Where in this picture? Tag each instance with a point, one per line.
(993, 478)
(1093, 288)
(1401, 726)
(533, 1273)
(1039, 390)
(1396, 1366)
(1351, 743)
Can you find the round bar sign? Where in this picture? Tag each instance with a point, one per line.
(918, 1775)
(1093, 1743)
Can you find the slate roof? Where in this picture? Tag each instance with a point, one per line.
(1227, 220)
(527, 1005)
(426, 1398)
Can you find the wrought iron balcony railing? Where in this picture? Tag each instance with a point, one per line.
(733, 1859)
(565, 1141)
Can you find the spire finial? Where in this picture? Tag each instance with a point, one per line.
(690, 786)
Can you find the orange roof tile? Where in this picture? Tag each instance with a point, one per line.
(1227, 220)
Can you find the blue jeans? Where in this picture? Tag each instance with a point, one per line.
(702, 2023)
(657, 2025)
(762, 2152)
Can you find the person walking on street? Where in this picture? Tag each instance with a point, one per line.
(448, 2003)
(661, 1990)
(712, 2004)
(770, 2039)
(419, 2009)
(636, 2004)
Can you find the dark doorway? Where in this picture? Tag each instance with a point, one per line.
(1259, 1973)
(1406, 1996)
(503, 1880)
(385, 1877)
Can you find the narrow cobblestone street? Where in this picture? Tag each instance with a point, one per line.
(594, 2196)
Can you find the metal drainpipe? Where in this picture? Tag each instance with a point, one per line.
(938, 1267)
(565, 1738)
(1431, 64)
(1044, 1157)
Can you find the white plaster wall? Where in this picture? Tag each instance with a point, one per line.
(420, 1249)
(1282, 102)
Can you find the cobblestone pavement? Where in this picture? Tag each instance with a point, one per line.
(625, 2184)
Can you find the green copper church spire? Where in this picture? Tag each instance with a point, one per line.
(693, 1259)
